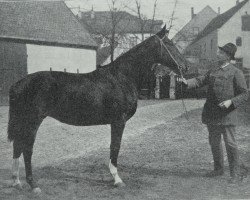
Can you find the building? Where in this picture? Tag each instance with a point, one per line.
(190, 31)
(129, 29)
(41, 35)
(230, 26)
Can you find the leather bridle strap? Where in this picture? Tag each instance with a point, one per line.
(165, 47)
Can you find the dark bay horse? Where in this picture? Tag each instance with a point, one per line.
(107, 95)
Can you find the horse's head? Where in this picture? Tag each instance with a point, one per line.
(166, 53)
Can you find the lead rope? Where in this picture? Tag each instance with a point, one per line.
(182, 99)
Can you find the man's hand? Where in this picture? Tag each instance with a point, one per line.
(225, 104)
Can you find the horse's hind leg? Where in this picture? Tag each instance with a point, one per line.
(27, 154)
(17, 151)
(23, 143)
(116, 137)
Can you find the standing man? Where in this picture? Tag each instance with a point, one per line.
(226, 91)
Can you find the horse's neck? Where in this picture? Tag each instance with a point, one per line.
(132, 69)
(131, 63)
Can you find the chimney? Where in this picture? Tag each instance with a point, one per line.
(237, 2)
(92, 13)
(192, 12)
(219, 10)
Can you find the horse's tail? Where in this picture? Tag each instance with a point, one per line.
(22, 95)
(17, 104)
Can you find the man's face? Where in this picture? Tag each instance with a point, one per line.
(221, 55)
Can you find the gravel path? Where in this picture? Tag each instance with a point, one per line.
(57, 142)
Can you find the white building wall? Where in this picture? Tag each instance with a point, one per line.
(246, 49)
(42, 58)
(231, 30)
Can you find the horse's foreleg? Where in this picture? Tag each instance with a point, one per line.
(116, 137)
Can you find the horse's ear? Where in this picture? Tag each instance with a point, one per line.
(162, 32)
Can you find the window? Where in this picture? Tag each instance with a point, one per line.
(238, 41)
(195, 30)
(205, 47)
(245, 19)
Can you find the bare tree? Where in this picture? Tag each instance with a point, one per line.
(116, 32)
(111, 29)
(115, 19)
(172, 18)
(142, 19)
(153, 18)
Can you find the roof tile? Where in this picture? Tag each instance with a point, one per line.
(43, 21)
(126, 23)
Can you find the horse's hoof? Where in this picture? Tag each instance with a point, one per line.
(37, 191)
(120, 185)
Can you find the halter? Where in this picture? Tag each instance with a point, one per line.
(165, 47)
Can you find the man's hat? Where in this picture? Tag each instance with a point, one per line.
(229, 49)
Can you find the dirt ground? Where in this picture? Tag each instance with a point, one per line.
(163, 156)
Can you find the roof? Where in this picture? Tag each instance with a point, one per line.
(220, 20)
(101, 22)
(200, 20)
(43, 22)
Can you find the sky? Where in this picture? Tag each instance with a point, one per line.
(164, 8)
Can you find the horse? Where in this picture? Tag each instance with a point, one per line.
(108, 95)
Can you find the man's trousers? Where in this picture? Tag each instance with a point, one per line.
(228, 132)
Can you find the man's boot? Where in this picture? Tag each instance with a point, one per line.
(234, 167)
(218, 161)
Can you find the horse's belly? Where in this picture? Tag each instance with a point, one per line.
(97, 111)
(80, 119)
